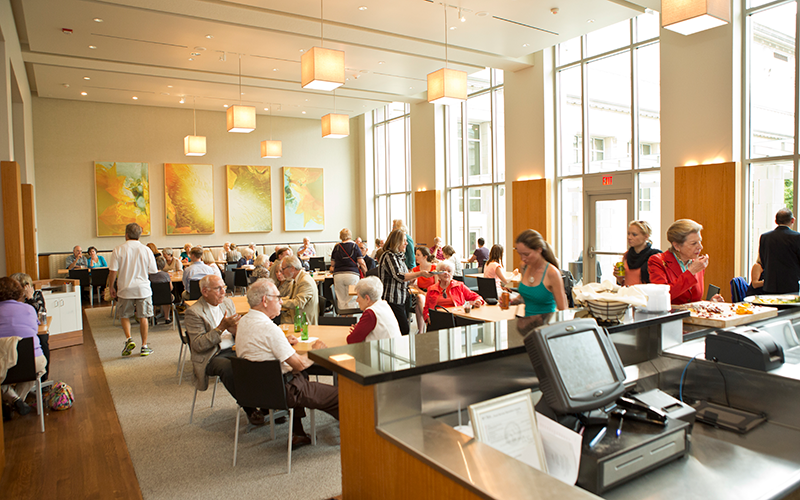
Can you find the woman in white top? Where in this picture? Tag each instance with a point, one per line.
(450, 254)
(173, 265)
(377, 321)
(208, 259)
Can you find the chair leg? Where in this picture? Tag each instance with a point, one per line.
(39, 406)
(313, 428)
(91, 296)
(180, 356)
(271, 425)
(173, 312)
(182, 365)
(236, 437)
(214, 394)
(291, 429)
(194, 400)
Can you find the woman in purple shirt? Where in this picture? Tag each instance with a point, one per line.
(18, 319)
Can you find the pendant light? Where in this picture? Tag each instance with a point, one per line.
(270, 148)
(194, 145)
(321, 68)
(335, 125)
(692, 16)
(447, 86)
(241, 119)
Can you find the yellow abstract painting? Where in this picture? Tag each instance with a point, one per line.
(189, 192)
(249, 199)
(303, 204)
(122, 196)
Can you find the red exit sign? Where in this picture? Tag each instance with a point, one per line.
(608, 180)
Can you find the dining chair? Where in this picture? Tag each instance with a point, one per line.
(194, 400)
(162, 296)
(85, 281)
(240, 280)
(316, 263)
(99, 279)
(184, 346)
(25, 371)
(194, 290)
(440, 320)
(487, 288)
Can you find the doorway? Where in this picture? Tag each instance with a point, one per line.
(610, 209)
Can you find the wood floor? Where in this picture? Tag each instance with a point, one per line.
(82, 453)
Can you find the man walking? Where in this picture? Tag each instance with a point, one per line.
(779, 250)
(131, 265)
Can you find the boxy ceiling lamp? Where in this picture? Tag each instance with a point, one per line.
(692, 16)
(321, 68)
(447, 86)
(194, 145)
(334, 125)
(241, 119)
(270, 148)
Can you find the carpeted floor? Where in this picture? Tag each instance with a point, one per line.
(175, 459)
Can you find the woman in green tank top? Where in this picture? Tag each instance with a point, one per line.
(541, 288)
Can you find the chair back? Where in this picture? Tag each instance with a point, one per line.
(184, 337)
(316, 263)
(83, 275)
(466, 321)
(327, 290)
(230, 266)
(440, 320)
(162, 295)
(375, 271)
(240, 278)
(99, 276)
(487, 288)
(336, 320)
(738, 289)
(459, 278)
(25, 369)
(230, 280)
(259, 384)
(470, 270)
(472, 283)
(194, 290)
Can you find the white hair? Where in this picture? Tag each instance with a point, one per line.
(371, 286)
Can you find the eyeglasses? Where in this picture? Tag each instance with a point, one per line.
(278, 297)
(216, 289)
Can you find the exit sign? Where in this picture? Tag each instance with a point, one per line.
(608, 180)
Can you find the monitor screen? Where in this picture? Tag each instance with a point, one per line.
(580, 362)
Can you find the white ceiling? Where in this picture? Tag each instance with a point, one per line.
(143, 47)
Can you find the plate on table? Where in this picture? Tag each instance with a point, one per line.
(774, 300)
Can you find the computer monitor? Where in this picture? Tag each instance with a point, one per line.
(578, 366)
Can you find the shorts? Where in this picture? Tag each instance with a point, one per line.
(143, 307)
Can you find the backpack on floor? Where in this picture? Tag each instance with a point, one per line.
(60, 397)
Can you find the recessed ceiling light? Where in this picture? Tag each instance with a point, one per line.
(453, 27)
(303, 112)
(363, 7)
(410, 88)
(135, 98)
(84, 93)
(191, 58)
(526, 45)
(242, 93)
(86, 78)
(302, 50)
(169, 86)
(182, 100)
(92, 47)
(482, 13)
(66, 86)
(209, 36)
(590, 20)
(306, 100)
(195, 54)
(97, 20)
(381, 62)
(274, 69)
(266, 109)
(224, 105)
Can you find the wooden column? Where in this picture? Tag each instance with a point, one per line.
(29, 230)
(531, 204)
(12, 217)
(427, 216)
(710, 195)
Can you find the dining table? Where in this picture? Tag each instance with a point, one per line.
(330, 335)
(488, 313)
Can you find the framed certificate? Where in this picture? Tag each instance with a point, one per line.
(508, 424)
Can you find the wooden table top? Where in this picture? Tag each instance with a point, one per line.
(332, 336)
(486, 313)
(45, 327)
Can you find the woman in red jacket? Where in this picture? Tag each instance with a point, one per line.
(447, 292)
(682, 267)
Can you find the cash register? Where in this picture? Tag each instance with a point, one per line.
(582, 380)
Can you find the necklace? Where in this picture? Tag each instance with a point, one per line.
(532, 278)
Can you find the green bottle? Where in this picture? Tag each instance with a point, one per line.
(298, 325)
(304, 336)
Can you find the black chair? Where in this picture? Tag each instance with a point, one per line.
(440, 320)
(316, 263)
(459, 278)
(194, 290)
(240, 280)
(330, 296)
(471, 282)
(25, 371)
(162, 296)
(230, 281)
(86, 280)
(375, 271)
(471, 270)
(260, 384)
(99, 279)
(337, 320)
(487, 288)
(230, 266)
(184, 345)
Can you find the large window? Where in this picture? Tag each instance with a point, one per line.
(770, 145)
(608, 90)
(476, 164)
(392, 166)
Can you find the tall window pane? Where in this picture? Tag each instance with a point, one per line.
(381, 217)
(609, 91)
(608, 38)
(649, 69)
(455, 167)
(500, 125)
(569, 51)
(570, 121)
(571, 196)
(648, 26)
(380, 159)
(479, 139)
(481, 212)
(501, 212)
(771, 188)
(398, 179)
(648, 201)
(456, 220)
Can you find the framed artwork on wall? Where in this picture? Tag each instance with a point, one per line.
(249, 198)
(122, 196)
(303, 201)
(189, 193)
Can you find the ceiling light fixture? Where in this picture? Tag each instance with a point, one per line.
(209, 36)
(461, 16)
(86, 78)
(92, 46)
(241, 119)
(447, 86)
(135, 98)
(97, 20)
(363, 7)
(194, 145)
(270, 148)
(84, 93)
(321, 68)
(335, 125)
(692, 16)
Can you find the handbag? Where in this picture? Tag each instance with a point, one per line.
(360, 272)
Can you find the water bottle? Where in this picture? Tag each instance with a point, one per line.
(298, 325)
(304, 335)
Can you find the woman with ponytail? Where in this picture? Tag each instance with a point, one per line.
(542, 287)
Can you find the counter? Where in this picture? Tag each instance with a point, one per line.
(62, 299)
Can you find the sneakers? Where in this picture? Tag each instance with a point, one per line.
(146, 351)
(22, 407)
(129, 346)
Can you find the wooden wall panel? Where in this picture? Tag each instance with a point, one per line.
(532, 209)
(29, 230)
(710, 195)
(372, 467)
(12, 217)
(44, 267)
(427, 216)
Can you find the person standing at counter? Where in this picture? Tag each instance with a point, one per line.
(639, 252)
(682, 267)
(395, 276)
(779, 250)
(541, 288)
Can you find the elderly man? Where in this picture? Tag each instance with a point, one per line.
(302, 292)
(211, 324)
(259, 339)
(368, 261)
(222, 255)
(131, 265)
(779, 250)
(306, 251)
(77, 259)
(196, 270)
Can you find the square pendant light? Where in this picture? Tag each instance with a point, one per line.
(447, 86)
(692, 16)
(271, 149)
(194, 145)
(322, 69)
(241, 119)
(335, 126)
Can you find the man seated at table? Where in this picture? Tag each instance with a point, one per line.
(306, 250)
(283, 283)
(77, 260)
(481, 254)
(222, 255)
(247, 257)
(195, 271)
(447, 292)
(302, 292)
(378, 321)
(274, 256)
(368, 261)
(259, 339)
(211, 324)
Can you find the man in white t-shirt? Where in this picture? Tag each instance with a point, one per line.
(259, 339)
(131, 265)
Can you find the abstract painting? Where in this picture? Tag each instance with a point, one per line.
(189, 191)
(122, 196)
(249, 198)
(303, 205)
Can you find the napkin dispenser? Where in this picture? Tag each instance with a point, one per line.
(744, 346)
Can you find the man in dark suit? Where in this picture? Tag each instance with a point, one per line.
(779, 250)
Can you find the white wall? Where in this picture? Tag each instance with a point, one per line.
(72, 135)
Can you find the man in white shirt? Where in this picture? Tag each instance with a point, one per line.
(196, 270)
(131, 265)
(259, 339)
